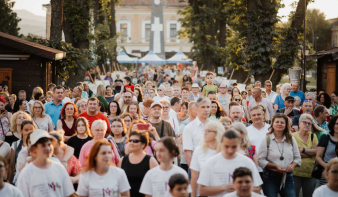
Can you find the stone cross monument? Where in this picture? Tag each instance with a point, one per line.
(157, 35)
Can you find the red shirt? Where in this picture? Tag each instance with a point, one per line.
(98, 116)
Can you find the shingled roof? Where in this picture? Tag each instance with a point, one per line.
(31, 47)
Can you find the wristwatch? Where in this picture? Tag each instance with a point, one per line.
(303, 150)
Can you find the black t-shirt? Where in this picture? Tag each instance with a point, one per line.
(295, 120)
(77, 144)
(291, 115)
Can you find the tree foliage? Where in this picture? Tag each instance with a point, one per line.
(8, 19)
(76, 59)
(318, 31)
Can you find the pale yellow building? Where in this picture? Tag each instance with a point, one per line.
(133, 18)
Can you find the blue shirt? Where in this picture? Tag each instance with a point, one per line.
(300, 94)
(279, 101)
(84, 94)
(325, 125)
(53, 111)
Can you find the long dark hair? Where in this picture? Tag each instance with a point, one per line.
(327, 100)
(118, 111)
(287, 130)
(219, 109)
(140, 95)
(17, 105)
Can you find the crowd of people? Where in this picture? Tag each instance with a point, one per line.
(165, 135)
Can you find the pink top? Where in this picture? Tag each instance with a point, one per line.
(86, 149)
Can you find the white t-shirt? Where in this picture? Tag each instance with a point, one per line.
(111, 184)
(158, 98)
(218, 171)
(52, 182)
(200, 157)
(234, 194)
(10, 191)
(256, 136)
(324, 191)
(155, 182)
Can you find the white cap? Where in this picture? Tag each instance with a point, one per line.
(38, 134)
(195, 85)
(155, 103)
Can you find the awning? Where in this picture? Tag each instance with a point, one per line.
(179, 57)
(123, 58)
(151, 58)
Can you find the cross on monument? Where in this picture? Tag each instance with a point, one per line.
(156, 34)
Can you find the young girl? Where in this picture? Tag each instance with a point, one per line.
(99, 177)
(44, 177)
(82, 136)
(331, 174)
(155, 182)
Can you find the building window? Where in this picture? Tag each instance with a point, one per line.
(173, 31)
(148, 31)
(124, 30)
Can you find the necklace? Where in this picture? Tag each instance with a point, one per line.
(281, 152)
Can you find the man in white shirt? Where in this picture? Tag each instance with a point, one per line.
(175, 106)
(161, 91)
(215, 179)
(258, 130)
(177, 91)
(270, 95)
(258, 99)
(194, 131)
(236, 113)
(195, 89)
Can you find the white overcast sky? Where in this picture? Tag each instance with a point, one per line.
(329, 7)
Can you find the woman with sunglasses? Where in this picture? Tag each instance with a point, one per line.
(165, 115)
(155, 181)
(331, 174)
(40, 118)
(100, 178)
(327, 147)
(114, 111)
(99, 128)
(81, 105)
(68, 120)
(82, 136)
(211, 145)
(245, 147)
(137, 163)
(118, 135)
(278, 156)
(307, 143)
(216, 111)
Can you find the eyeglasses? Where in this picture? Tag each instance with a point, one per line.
(268, 85)
(306, 123)
(308, 100)
(134, 141)
(209, 131)
(159, 90)
(127, 120)
(113, 106)
(83, 105)
(237, 99)
(127, 97)
(37, 107)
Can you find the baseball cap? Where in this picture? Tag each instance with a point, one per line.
(223, 85)
(155, 103)
(290, 98)
(37, 134)
(195, 85)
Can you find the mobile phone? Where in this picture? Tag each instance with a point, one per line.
(143, 126)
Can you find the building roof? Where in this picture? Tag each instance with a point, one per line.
(319, 54)
(31, 47)
(149, 2)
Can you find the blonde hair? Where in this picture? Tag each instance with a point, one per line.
(43, 113)
(225, 119)
(100, 91)
(37, 90)
(148, 82)
(80, 101)
(241, 128)
(15, 116)
(99, 122)
(164, 101)
(314, 128)
(283, 87)
(328, 166)
(219, 129)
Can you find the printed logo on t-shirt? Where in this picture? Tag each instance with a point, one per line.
(54, 186)
(224, 177)
(108, 192)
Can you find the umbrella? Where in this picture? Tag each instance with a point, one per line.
(179, 57)
(123, 58)
(151, 58)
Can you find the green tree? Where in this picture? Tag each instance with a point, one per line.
(318, 30)
(8, 19)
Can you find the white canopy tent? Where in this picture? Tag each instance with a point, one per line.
(151, 58)
(123, 58)
(179, 57)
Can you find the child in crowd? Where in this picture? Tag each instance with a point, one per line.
(210, 77)
(178, 185)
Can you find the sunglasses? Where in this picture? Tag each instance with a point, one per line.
(237, 99)
(83, 105)
(135, 141)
